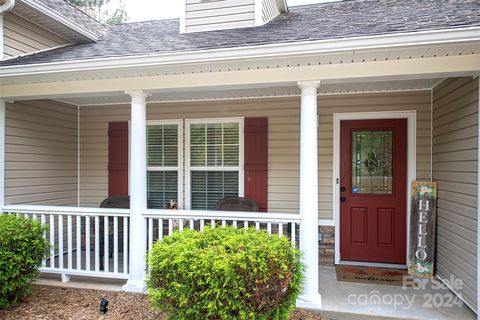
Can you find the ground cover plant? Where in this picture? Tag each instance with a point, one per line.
(22, 249)
(224, 273)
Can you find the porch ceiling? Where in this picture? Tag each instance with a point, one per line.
(285, 90)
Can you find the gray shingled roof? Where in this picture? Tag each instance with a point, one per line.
(69, 11)
(332, 20)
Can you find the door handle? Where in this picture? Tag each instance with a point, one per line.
(342, 199)
(342, 189)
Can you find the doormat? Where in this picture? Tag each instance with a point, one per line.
(385, 276)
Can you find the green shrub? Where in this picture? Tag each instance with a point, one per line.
(224, 273)
(22, 250)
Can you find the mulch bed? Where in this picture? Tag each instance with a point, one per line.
(77, 304)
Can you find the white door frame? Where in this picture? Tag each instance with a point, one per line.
(411, 116)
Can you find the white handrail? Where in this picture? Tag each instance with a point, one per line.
(221, 215)
(59, 210)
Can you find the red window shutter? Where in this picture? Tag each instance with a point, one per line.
(256, 161)
(118, 159)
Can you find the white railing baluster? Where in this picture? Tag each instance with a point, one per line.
(52, 241)
(160, 229)
(97, 244)
(87, 243)
(150, 234)
(106, 247)
(43, 222)
(293, 234)
(79, 242)
(170, 227)
(69, 241)
(60, 241)
(125, 245)
(79, 234)
(115, 244)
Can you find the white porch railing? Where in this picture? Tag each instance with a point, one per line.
(85, 241)
(163, 222)
(95, 241)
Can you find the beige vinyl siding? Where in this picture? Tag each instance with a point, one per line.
(40, 153)
(455, 141)
(219, 14)
(22, 37)
(269, 10)
(283, 139)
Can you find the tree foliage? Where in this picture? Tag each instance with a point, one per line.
(101, 10)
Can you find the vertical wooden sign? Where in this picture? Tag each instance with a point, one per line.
(422, 229)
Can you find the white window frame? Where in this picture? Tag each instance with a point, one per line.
(179, 168)
(189, 169)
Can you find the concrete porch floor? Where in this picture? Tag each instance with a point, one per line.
(356, 301)
(340, 300)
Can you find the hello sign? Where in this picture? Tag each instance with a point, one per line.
(422, 229)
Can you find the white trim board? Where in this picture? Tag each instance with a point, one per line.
(411, 117)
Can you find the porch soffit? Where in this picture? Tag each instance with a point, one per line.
(348, 67)
(229, 93)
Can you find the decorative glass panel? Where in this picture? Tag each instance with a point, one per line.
(210, 186)
(372, 170)
(162, 187)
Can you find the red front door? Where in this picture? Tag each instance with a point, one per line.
(373, 190)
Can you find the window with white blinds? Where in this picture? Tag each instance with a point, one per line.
(164, 163)
(214, 161)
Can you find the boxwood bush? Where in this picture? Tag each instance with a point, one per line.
(22, 250)
(224, 273)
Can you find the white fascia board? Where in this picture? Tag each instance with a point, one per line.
(279, 50)
(39, 6)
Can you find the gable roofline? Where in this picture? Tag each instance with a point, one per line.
(277, 50)
(53, 14)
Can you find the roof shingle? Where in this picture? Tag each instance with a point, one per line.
(334, 20)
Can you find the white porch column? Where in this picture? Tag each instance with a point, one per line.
(310, 297)
(138, 192)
